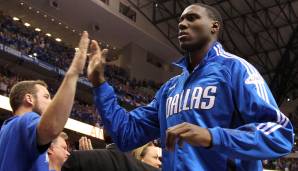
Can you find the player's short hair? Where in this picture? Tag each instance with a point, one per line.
(20, 89)
(62, 135)
(213, 13)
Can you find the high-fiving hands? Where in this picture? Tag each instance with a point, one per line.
(97, 59)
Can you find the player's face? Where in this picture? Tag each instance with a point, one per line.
(152, 156)
(194, 28)
(42, 99)
(58, 151)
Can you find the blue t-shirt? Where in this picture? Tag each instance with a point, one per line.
(19, 150)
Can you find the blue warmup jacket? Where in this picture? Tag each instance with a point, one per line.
(225, 94)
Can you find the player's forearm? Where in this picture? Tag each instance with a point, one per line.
(55, 117)
(248, 143)
(128, 129)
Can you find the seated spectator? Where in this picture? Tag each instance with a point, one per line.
(58, 152)
(149, 154)
(109, 159)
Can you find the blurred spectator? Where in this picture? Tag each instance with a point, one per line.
(149, 153)
(57, 152)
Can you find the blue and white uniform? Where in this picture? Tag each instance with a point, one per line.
(225, 94)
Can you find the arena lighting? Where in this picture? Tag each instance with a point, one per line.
(48, 34)
(59, 23)
(15, 18)
(35, 54)
(52, 19)
(37, 12)
(30, 8)
(66, 27)
(45, 16)
(71, 124)
(27, 24)
(288, 99)
(37, 29)
(73, 30)
(58, 39)
(22, 3)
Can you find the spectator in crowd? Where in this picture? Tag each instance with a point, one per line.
(58, 152)
(111, 159)
(149, 154)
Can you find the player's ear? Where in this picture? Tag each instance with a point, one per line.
(29, 99)
(215, 27)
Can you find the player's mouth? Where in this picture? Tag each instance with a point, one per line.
(183, 36)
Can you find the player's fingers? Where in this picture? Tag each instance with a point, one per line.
(174, 134)
(94, 48)
(104, 55)
(85, 145)
(84, 42)
(178, 126)
(90, 144)
(170, 140)
(81, 143)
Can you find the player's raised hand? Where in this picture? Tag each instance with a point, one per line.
(85, 144)
(80, 57)
(95, 70)
(190, 133)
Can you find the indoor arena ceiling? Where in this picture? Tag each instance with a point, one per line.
(265, 32)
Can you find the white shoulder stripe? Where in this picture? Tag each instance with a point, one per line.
(267, 127)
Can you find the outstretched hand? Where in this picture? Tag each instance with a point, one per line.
(97, 60)
(78, 63)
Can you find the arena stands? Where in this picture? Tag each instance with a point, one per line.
(131, 92)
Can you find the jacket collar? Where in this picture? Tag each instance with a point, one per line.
(182, 62)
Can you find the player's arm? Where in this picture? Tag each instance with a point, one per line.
(55, 117)
(266, 132)
(127, 129)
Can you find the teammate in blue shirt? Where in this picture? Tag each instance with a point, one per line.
(218, 114)
(37, 120)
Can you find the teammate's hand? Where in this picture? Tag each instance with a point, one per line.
(85, 144)
(97, 60)
(188, 132)
(78, 63)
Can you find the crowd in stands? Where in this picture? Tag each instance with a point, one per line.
(30, 42)
(282, 164)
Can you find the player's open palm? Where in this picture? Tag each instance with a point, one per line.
(95, 70)
(80, 57)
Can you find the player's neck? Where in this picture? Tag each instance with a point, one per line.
(22, 110)
(195, 57)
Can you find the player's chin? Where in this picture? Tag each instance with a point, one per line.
(186, 46)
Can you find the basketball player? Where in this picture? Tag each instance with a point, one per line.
(218, 114)
(37, 120)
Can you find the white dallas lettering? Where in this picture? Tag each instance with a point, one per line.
(185, 107)
(169, 100)
(174, 105)
(180, 101)
(197, 98)
(211, 98)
